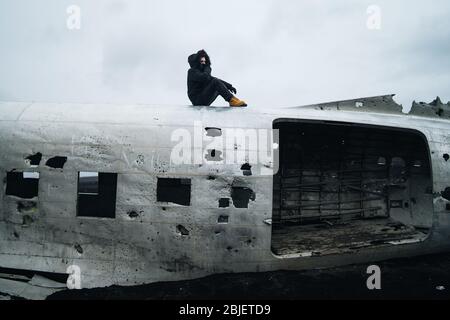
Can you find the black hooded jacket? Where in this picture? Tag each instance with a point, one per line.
(199, 76)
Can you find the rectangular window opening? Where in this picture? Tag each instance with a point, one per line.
(22, 184)
(174, 190)
(97, 194)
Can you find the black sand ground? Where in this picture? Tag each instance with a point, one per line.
(426, 277)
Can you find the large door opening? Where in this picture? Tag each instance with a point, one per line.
(342, 186)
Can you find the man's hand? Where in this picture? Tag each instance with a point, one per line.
(233, 89)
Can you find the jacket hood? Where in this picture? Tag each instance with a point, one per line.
(194, 59)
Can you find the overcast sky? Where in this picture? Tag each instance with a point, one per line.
(282, 53)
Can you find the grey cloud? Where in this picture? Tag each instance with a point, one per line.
(274, 52)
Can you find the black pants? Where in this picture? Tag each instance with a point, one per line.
(212, 90)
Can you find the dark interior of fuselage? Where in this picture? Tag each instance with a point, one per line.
(341, 186)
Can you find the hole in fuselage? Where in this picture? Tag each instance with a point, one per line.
(34, 159)
(56, 162)
(329, 195)
(22, 184)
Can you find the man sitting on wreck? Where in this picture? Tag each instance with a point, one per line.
(203, 88)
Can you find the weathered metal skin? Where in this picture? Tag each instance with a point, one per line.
(134, 141)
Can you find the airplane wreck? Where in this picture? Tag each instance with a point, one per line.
(90, 193)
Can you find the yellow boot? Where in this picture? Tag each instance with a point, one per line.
(235, 102)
